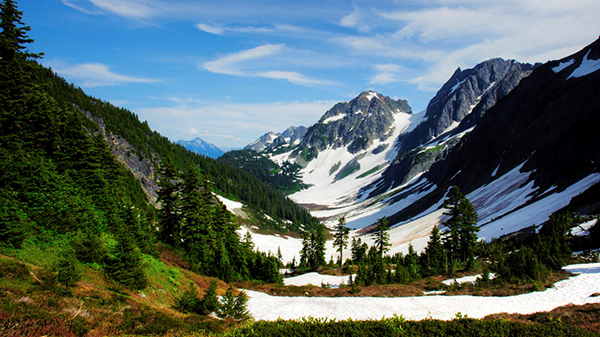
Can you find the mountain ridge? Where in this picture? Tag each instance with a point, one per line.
(200, 146)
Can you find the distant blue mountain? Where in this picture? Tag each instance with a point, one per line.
(200, 146)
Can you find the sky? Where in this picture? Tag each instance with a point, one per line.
(229, 71)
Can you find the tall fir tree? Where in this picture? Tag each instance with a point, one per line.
(462, 236)
(169, 199)
(381, 237)
(340, 238)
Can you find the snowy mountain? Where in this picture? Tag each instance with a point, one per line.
(200, 146)
(534, 152)
(517, 139)
(272, 140)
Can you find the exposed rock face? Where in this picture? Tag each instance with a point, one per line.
(548, 124)
(200, 146)
(272, 140)
(138, 164)
(550, 121)
(457, 106)
(356, 123)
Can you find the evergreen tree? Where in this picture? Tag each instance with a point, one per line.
(189, 301)
(68, 271)
(168, 197)
(381, 237)
(462, 223)
(210, 301)
(358, 250)
(433, 258)
(340, 238)
(312, 254)
(13, 37)
(227, 307)
(124, 265)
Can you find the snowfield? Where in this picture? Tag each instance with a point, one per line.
(576, 290)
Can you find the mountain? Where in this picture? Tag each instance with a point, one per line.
(272, 140)
(198, 145)
(456, 108)
(517, 139)
(534, 152)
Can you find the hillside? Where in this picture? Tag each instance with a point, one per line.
(141, 151)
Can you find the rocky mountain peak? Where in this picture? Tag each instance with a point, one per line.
(356, 124)
(272, 140)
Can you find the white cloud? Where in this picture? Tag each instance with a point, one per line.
(139, 9)
(232, 63)
(212, 29)
(292, 76)
(388, 73)
(237, 64)
(444, 35)
(244, 122)
(95, 75)
(77, 7)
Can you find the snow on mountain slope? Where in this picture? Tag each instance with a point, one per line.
(322, 171)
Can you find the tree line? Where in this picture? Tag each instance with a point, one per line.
(533, 258)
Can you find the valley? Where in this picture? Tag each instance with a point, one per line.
(475, 215)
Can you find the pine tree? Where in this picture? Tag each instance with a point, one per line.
(13, 38)
(381, 237)
(462, 223)
(312, 254)
(168, 197)
(434, 256)
(340, 238)
(227, 307)
(210, 301)
(358, 250)
(125, 266)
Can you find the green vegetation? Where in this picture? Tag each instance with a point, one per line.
(371, 171)
(340, 238)
(397, 326)
(283, 179)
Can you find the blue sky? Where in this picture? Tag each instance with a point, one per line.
(229, 71)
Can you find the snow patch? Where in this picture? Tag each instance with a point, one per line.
(583, 229)
(577, 290)
(535, 213)
(334, 118)
(317, 279)
(586, 67)
(458, 83)
(371, 95)
(563, 65)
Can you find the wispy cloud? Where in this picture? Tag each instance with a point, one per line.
(444, 35)
(232, 64)
(210, 28)
(96, 75)
(238, 63)
(388, 73)
(244, 122)
(74, 5)
(139, 9)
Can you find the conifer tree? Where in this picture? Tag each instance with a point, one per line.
(462, 223)
(381, 237)
(13, 37)
(434, 256)
(125, 266)
(168, 197)
(210, 301)
(358, 250)
(340, 238)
